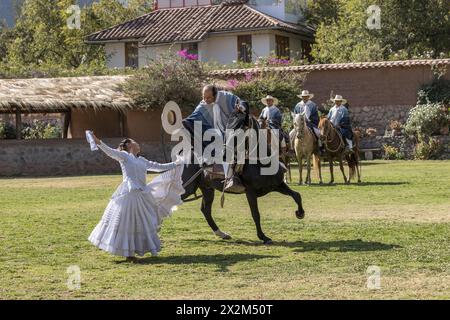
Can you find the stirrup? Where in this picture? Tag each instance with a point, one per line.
(233, 185)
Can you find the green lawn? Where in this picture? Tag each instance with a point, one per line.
(398, 220)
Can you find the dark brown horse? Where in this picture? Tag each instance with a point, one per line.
(256, 185)
(335, 147)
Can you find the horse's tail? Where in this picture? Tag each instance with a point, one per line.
(316, 165)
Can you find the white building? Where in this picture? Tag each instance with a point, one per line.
(220, 31)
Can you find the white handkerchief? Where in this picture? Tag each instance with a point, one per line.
(91, 141)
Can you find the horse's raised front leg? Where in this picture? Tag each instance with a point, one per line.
(206, 208)
(284, 189)
(341, 166)
(253, 203)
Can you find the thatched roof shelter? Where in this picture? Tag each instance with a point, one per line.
(62, 94)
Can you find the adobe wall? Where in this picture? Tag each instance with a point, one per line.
(56, 157)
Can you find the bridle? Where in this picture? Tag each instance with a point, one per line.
(327, 127)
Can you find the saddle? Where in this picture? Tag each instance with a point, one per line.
(215, 173)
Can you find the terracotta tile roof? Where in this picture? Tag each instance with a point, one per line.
(194, 24)
(337, 66)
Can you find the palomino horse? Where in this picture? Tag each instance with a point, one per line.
(306, 146)
(335, 146)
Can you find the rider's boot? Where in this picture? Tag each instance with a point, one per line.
(348, 146)
(232, 183)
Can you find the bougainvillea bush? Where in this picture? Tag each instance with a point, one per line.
(170, 77)
(284, 86)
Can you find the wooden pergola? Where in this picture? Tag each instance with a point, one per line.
(61, 95)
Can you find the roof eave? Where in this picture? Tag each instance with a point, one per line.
(113, 40)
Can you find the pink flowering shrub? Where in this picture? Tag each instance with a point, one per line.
(184, 54)
(169, 77)
(285, 86)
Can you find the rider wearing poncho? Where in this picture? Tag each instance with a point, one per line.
(213, 112)
(309, 109)
(274, 117)
(340, 118)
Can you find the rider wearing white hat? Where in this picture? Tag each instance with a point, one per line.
(340, 118)
(273, 115)
(309, 109)
(271, 111)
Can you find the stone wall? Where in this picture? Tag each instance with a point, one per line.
(378, 117)
(404, 144)
(64, 157)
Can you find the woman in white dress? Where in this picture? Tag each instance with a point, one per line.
(133, 217)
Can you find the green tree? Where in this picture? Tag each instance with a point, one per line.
(409, 29)
(321, 11)
(6, 36)
(45, 33)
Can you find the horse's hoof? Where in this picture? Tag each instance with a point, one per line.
(320, 182)
(268, 241)
(222, 235)
(300, 214)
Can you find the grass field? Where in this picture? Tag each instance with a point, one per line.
(398, 220)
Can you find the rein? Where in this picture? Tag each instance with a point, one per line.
(341, 142)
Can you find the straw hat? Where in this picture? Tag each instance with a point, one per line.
(339, 98)
(305, 93)
(264, 100)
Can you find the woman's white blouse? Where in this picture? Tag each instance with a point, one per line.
(134, 169)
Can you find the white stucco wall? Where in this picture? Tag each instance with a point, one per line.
(148, 53)
(262, 44)
(218, 48)
(115, 55)
(296, 47)
(221, 49)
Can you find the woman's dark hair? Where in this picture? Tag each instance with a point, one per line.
(123, 146)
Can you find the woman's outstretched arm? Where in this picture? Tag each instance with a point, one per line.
(159, 167)
(110, 152)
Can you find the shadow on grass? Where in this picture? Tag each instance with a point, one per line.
(356, 245)
(361, 184)
(380, 183)
(222, 261)
(344, 246)
(336, 164)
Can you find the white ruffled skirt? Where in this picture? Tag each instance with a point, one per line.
(132, 219)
